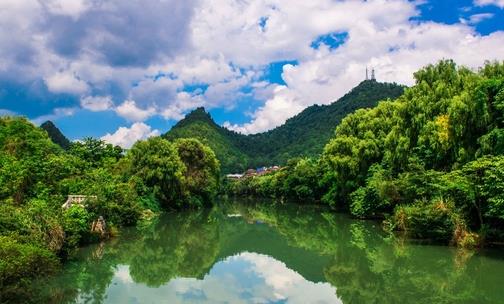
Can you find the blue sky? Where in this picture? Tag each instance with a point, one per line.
(123, 71)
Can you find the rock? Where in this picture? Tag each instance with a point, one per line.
(147, 215)
(100, 227)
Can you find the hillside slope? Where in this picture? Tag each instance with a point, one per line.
(307, 133)
(302, 135)
(198, 124)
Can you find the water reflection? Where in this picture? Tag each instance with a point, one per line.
(272, 254)
(245, 278)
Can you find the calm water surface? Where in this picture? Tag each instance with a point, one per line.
(241, 253)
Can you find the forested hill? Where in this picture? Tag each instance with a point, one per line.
(307, 133)
(198, 124)
(302, 135)
(55, 134)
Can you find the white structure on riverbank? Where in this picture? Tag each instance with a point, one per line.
(77, 200)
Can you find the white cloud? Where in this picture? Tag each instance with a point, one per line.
(395, 50)
(56, 113)
(499, 3)
(279, 108)
(225, 93)
(145, 53)
(155, 93)
(198, 68)
(476, 18)
(287, 284)
(73, 8)
(126, 137)
(184, 102)
(233, 27)
(97, 103)
(244, 278)
(65, 82)
(129, 110)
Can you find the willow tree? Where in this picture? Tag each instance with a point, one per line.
(201, 172)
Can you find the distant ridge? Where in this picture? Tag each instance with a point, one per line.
(302, 135)
(55, 134)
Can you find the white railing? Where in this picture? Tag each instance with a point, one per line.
(77, 200)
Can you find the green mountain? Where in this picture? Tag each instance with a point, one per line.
(55, 134)
(198, 124)
(302, 135)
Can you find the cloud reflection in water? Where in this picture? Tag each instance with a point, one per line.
(244, 278)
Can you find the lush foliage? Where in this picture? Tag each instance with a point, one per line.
(430, 161)
(303, 135)
(19, 263)
(298, 181)
(36, 176)
(201, 173)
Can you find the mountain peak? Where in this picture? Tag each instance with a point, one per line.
(55, 134)
(198, 112)
(197, 115)
(48, 124)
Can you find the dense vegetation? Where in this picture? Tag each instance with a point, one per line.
(36, 176)
(302, 135)
(429, 162)
(198, 124)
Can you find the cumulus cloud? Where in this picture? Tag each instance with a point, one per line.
(165, 57)
(184, 102)
(129, 110)
(395, 48)
(126, 137)
(122, 33)
(499, 3)
(199, 67)
(72, 8)
(277, 109)
(155, 92)
(96, 103)
(85, 46)
(66, 83)
(476, 18)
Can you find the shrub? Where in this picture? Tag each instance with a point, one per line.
(76, 223)
(20, 264)
(435, 220)
(375, 198)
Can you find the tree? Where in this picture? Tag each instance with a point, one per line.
(156, 162)
(96, 152)
(201, 173)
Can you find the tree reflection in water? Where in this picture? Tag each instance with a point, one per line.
(214, 254)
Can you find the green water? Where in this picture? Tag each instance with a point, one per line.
(277, 254)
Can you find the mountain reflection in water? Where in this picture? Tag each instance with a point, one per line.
(271, 253)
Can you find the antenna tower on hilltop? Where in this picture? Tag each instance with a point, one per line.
(373, 74)
(367, 74)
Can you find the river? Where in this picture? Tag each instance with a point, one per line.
(272, 253)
